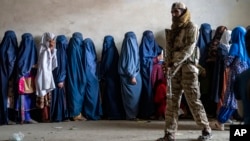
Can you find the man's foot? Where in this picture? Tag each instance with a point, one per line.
(206, 135)
(168, 137)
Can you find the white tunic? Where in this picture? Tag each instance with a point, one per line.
(47, 62)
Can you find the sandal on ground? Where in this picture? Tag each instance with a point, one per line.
(79, 118)
(216, 126)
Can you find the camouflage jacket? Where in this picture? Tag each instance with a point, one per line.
(183, 48)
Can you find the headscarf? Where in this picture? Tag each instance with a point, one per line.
(110, 57)
(181, 21)
(238, 47)
(178, 24)
(213, 46)
(129, 63)
(226, 38)
(44, 45)
(27, 51)
(61, 46)
(47, 62)
(8, 50)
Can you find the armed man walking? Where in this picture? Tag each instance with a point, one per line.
(182, 54)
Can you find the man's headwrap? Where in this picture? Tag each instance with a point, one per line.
(178, 5)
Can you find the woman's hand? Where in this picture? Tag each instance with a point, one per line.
(60, 85)
(133, 80)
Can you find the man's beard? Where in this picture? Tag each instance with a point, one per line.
(175, 19)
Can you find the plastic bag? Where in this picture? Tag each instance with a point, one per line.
(17, 136)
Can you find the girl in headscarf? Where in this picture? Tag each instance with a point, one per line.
(8, 50)
(47, 62)
(25, 101)
(159, 85)
(76, 79)
(129, 70)
(111, 96)
(91, 103)
(147, 51)
(58, 102)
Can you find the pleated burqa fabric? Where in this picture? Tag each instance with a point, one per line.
(128, 68)
(92, 102)
(110, 81)
(205, 37)
(76, 79)
(26, 61)
(8, 51)
(148, 51)
(58, 106)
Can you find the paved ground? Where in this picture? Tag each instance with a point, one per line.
(105, 130)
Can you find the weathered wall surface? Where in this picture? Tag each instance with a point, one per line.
(97, 18)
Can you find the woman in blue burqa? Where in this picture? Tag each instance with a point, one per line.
(58, 107)
(110, 79)
(205, 37)
(76, 79)
(8, 50)
(26, 68)
(148, 50)
(237, 61)
(129, 70)
(91, 104)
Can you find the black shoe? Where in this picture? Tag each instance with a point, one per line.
(168, 137)
(205, 136)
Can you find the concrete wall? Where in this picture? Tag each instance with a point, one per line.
(97, 18)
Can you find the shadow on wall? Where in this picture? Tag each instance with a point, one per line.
(160, 38)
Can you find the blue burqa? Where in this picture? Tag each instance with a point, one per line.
(110, 79)
(8, 50)
(148, 50)
(76, 79)
(58, 107)
(128, 68)
(205, 37)
(92, 104)
(26, 60)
